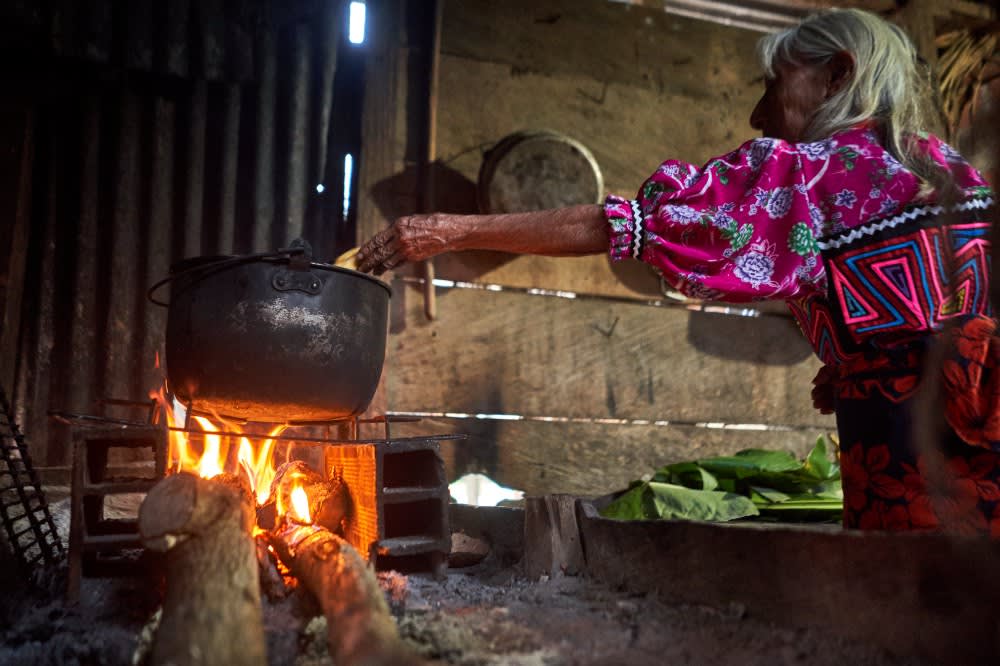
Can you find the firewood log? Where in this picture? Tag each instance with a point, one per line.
(211, 608)
(361, 631)
(329, 499)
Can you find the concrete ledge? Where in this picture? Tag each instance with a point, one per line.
(932, 596)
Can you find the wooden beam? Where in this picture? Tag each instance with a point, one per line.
(759, 15)
(964, 8)
(383, 138)
(772, 14)
(15, 202)
(916, 17)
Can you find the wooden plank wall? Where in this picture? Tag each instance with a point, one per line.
(582, 391)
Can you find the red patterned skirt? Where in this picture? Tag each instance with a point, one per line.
(944, 477)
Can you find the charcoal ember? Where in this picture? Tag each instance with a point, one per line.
(267, 516)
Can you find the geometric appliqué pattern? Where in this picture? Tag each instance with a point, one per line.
(897, 279)
(885, 288)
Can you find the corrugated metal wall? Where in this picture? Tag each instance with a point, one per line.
(165, 130)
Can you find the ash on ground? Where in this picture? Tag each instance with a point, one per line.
(495, 616)
(484, 614)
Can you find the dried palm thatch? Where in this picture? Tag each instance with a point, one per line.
(964, 56)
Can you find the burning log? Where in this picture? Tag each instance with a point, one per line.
(329, 499)
(360, 627)
(211, 609)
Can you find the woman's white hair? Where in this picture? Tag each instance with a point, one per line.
(887, 85)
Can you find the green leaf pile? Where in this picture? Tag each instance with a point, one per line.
(754, 482)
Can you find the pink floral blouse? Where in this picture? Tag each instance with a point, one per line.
(745, 226)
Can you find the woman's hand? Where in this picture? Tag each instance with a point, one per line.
(410, 238)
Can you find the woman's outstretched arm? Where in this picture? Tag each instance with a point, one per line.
(571, 231)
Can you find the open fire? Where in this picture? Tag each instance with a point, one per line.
(228, 502)
(251, 458)
(235, 497)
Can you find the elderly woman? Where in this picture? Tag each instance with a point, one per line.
(874, 232)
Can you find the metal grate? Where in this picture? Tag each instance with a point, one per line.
(29, 527)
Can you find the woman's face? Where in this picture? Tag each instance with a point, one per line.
(790, 100)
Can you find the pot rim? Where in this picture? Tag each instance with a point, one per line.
(194, 264)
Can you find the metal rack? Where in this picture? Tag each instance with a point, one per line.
(24, 512)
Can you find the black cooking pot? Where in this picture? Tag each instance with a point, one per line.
(274, 337)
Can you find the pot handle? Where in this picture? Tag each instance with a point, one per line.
(293, 252)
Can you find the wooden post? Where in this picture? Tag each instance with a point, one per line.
(916, 17)
(383, 143)
(551, 536)
(427, 199)
(17, 142)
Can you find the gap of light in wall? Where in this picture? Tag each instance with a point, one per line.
(356, 29)
(662, 423)
(481, 490)
(693, 306)
(320, 188)
(348, 169)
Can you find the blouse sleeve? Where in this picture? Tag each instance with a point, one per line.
(740, 228)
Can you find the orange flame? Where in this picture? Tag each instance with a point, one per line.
(259, 468)
(300, 505)
(280, 498)
(211, 462)
(254, 456)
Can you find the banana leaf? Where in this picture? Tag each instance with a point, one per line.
(753, 482)
(653, 500)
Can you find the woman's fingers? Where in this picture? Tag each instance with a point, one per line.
(410, 238)
(378, 259)
(391, 263)
(374, 254)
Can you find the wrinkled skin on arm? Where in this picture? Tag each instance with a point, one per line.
(571, 231)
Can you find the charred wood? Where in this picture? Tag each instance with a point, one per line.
(360, 628)
(272, 583)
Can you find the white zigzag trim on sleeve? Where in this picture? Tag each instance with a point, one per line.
(871, 229)
(637, 230)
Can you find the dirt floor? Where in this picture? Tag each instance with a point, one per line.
(488, 613)
(481, 616)
(498, 617)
